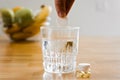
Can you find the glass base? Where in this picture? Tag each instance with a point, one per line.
(63, 67)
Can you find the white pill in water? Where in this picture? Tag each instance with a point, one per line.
(62, 22)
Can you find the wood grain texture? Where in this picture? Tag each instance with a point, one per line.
(23, 60)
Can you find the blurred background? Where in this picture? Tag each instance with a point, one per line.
(95, 17)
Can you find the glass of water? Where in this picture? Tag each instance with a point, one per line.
(60, 48)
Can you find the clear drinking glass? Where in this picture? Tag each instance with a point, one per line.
(59, 48)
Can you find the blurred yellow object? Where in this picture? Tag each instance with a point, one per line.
(45, 11)
(17, 8)
(81, 74)
(14, 28)
(16, 32)
(83, 70)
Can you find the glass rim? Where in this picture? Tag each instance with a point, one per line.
(60, 28)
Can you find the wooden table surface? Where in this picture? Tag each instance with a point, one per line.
(23, 60)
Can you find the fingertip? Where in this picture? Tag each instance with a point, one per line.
(61, 14)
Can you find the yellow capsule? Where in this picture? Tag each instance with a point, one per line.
(82, 72)
(79, 74)
(87, 75)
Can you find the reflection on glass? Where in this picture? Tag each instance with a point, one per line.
(58, 76)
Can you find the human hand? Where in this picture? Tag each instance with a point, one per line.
(63, 7)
